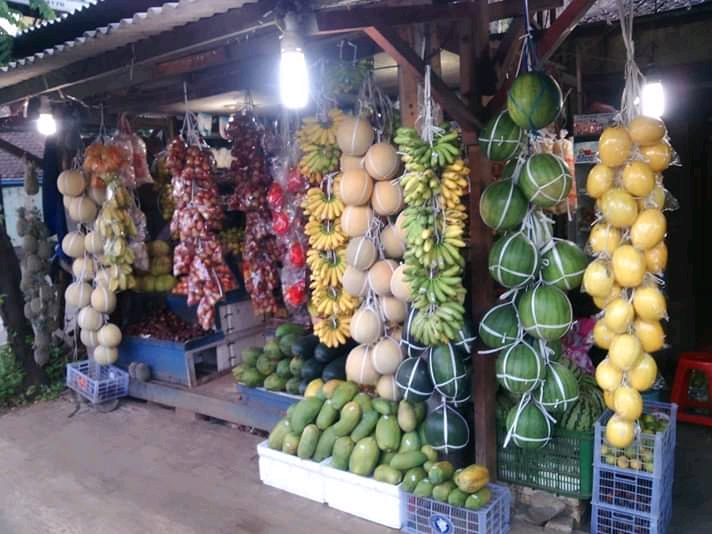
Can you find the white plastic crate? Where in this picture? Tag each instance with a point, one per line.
(363, 497)
(291, 474)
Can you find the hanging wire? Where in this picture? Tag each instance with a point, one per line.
(631, 104)
(527, 59)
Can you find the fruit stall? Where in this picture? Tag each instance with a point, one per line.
(384, 282)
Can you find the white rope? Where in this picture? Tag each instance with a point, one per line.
(631, 104)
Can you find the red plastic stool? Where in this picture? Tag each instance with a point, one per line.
(702, 362)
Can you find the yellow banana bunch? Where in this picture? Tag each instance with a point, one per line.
(325, 234)
(333, 301)
(333, 330)
(321, 205)
(327, 266)
(314, 131)
(454, 185)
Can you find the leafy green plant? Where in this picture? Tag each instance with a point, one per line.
(10, 375)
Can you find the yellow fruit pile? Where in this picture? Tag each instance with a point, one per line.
(630, 253)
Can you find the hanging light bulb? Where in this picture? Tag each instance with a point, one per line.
(653, 99)
(293, 73)
(46, 124)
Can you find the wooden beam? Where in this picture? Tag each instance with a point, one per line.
(391, 43)
(408, 85)
(18, 152)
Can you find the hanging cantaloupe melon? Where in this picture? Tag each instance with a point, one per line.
(83, 268)
(350, 163)
(387, 198)
(366, 326)
(89, 338)
(355, 187)
(386, 388)
(103, 299)
(93, 243)
(105, 355)
(78, 294)
(73, 244)
(394, 310)
(382, 161)
(379, 276)
(109, 335)
(399, 286)
(354, 136)
(361, 253)
(71, 183)
(359, 368)
(355, 220)
(386, 356)
(393, 245)
(83, 210)
(355, 281)
(89, 319)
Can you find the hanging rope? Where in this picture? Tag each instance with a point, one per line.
(631, 104)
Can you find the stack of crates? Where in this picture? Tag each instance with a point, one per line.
(632, 487)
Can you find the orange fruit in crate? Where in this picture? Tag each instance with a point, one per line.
(645, 131)
(625, 351)
(608, 376)
(638, 178)
(604, 238)
(658, 156)
(598, 279)
(628, 266)
(599, 180)
(618, 207)
(619, 432)
(656, 258)
(614, 146)
(648, 229)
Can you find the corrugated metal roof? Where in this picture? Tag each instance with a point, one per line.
(12, 167)
(59, 18)
(607, 10)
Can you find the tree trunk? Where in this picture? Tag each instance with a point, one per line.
(19, 329)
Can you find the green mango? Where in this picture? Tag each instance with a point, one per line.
(424, 488)
(388, 433)
(364, 457)
(410, 442)
(406, 416)
(387, 474)
(412, 477)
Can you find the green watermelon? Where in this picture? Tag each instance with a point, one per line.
(509, 171)
(413, 379)
(504, 403)
(545, 312)
(503, 205)
(520, 368)
(513, 260)
(583, 414)
(545, 180)
(283, 369)
(446, 430)
(555, 346)
(560, 389)
(501, 139)
(573, 367)
(530, 427)
(534, 100)
(563, 265)
(410, 346)
(448, 372)
(500, 326)
(465, 339)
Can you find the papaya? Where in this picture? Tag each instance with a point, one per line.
(409, 442)
(325, 446)
(406, 416)
(290, 443)
(295, 366)
(364, 457)
(276, 437)
(345, 392)
(421, 433)
(292, 386)
(385, 407)
(285, 344)
(313, 388)
(289, 328)
(304, 413)
(387, 457)
(252, 378)
(327, 415)
(274, 382)
(387, 474)
(479, 499)
(350, 417)
(250, 355)
(441, 472)
(457, 497)
(421, 411)
(308, 441)
(408, 460)
(424, 488)
(364, 401)
(330, 387)
(412, 477)
(343, 447)
(388, 433)
(442, 491)
(472, 478)
(428, 465)
(366, 426)
(431, 453)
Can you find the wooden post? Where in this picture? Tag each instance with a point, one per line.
(408, 85)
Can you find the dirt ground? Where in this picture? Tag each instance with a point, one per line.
(141, 470)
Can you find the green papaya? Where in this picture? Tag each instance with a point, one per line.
(252, 378)
(290, 443)
(388, 433)
(421, 411)
(327, 415)
(276, 437)
(431, 453)
(265, 365)
(479, 499)
(387, 474)
(274, 382)
(305, 413)
(289, 328)
(406, 416)
(457, 497)
(421, 434)
(410, 442)
(283, 369)
(292, 386)
(428, 465)
(325, 446)
(250, 355)
(412, 477)
(442, 491)
(364, 457)
(364, 401)
(387, 457)
(344, 393)
(285, 344)
(343, 447)
(350, 417)
(385, 407)
(424, 488)
(407, 460)
(441, 472)
(295, 366)
(366, 426)
(308, 441)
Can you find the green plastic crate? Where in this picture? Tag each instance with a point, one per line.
(564, 466)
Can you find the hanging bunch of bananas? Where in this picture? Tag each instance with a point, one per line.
(434, 224)
(317, 142)
(321, 205)
(327, 265)
(333, 330)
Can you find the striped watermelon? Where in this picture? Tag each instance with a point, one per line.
(501, 139)
(502, 205)
(504, 403)
(560, 389)
(545, 180)
(500, 326)
(545, 312)
(520, 368)
(574, 368)
(446, 430)
(509, 171)
(465, 339)
(410, 346)
(530, 427)
(583, 414)
(413, 380)
(555, 346)
(563, 265)
(513, 260)
(448, 372)
(534, 100)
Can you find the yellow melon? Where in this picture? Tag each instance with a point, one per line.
(393, 245)
(602, 302)
(386, 356)
(645, 131)
(361, 253)
(628, 266)
(627, 402)
(78, 294)
(355, 281)
(387, 388)
(350, 163)
(656, 258)
(67, 202)
(109, 335)
(366, 326)
(650, 333)
(619, 432)
(649, 303)
(599, 180)
(625, 351)
(614, 146)
(643, 376)
(93, 243)
(394, 310)
(359, 367)
(604, 238)
(103, 299)
(89, 338)
(355, 187)
(89, 319)
(354, 136)
(648, 229)
(618, 207)
(601, 335)
(382, 161)
(399, 286)
(608, 376)
(83, 210)
(656, 199)
(618, 315)
(105, 355)
(356, 220)
(71, 183)
(608, 399)
(387, 198)
(73, 244)
(638, 178)
(83, 268)
(658, 156)
(379, 276)
(598, 279)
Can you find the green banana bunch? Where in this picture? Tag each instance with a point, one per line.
(420, 187)
(439, 324)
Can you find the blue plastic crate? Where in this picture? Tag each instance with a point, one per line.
(97, 383)
(607, 520)
(427, 516)
(640, 492)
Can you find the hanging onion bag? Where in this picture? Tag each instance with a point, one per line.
(534, 100)
(545, 180)
(501, 138)
(545, 312)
